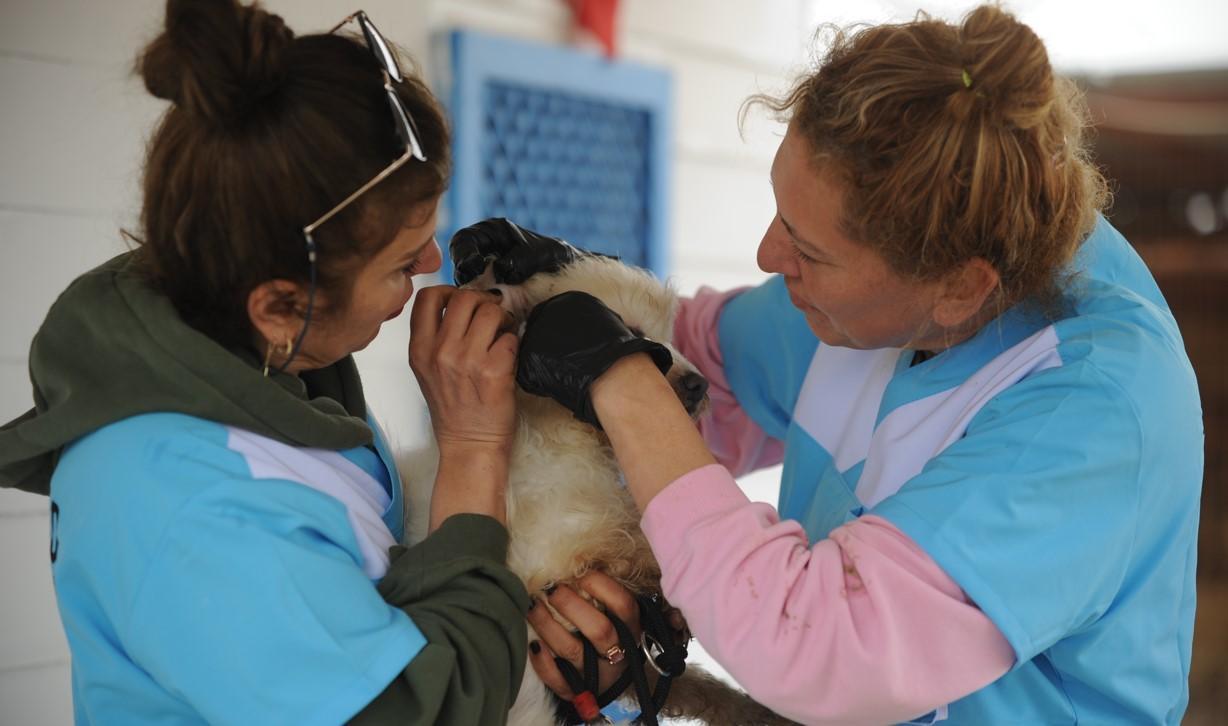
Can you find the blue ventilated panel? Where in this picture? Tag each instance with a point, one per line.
(560, 141)
(568, 165)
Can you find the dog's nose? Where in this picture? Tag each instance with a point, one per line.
(694, 387)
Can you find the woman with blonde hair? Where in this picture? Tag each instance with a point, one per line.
(990, 430)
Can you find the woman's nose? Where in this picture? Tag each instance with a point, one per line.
(773, 254)
(432, 258)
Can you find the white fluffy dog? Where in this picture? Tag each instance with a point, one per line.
(568, 512)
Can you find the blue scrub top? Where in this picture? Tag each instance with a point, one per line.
(204, 576)
(1052, 469)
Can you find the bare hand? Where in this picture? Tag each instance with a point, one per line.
(556, 640)
(465, 362)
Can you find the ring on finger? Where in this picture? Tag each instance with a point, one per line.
(615, 654)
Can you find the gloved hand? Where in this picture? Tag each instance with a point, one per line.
(568, 342)
(518, 253)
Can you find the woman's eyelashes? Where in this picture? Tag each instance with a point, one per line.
(797, 252)
(412, 267)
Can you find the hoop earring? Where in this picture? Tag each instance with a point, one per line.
(268, 355)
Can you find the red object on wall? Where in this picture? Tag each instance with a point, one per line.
(597, 18)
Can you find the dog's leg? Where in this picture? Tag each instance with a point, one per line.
(701, 696)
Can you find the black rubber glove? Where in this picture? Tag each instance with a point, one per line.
(568, 342)
(518, 253)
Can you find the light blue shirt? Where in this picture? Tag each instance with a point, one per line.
(208, 575)
(1052, 469)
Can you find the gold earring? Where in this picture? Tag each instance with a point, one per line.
(268, 355)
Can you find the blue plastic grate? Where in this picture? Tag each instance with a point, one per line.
(565, 142)
(569, 166)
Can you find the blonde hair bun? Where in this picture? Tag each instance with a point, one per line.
(953, 142)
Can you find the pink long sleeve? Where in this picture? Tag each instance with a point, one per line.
(862, 627)
(734, 439)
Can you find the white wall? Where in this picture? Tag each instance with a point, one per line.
(74, 122)
(73, 128)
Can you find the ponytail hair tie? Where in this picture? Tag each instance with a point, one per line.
(967, 78)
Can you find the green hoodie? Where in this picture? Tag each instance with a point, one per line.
(111, 347)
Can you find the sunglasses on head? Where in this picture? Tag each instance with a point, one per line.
(404, 122)
(406, 131)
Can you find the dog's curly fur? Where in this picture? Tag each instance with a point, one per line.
(568, 512)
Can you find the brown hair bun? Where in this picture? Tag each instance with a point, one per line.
(216, 59)
(268, 131)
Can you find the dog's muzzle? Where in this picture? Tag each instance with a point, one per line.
(692, 390)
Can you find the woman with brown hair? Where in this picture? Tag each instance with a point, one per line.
(990, 431)
(224, 507)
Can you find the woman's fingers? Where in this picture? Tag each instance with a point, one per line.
(469, 338)
(427, 314)
(443, 311)
(465, 366)
(543, 662)
(616, 598)
(489, 322)
(554, 636)
(592, 623)
(459, 315)
(462, 331)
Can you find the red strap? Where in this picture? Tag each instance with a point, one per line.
(586, 706)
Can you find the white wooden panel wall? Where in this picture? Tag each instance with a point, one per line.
(72, 130)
